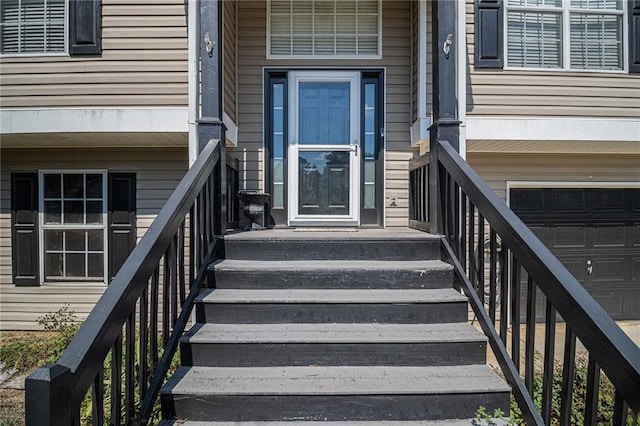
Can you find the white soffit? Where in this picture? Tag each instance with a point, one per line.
(89, 120)
(550, 147)
(552, 129)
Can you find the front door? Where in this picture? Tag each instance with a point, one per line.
(324, 129)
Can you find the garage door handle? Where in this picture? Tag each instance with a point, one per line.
(589, 267)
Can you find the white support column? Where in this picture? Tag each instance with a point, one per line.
(193, 79)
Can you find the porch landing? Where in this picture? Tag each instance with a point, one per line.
(319, 233)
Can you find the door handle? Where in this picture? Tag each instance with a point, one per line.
(354, 148)
(589, 267)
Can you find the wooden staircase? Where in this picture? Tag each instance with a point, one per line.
(355, 328)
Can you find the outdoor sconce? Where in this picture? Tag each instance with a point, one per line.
(447, 45)
(208, 44)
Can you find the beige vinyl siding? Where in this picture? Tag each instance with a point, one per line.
(496, 169)
(396, 60)
(229, 67)
(548, 93)
(157, 174)
(143, 63)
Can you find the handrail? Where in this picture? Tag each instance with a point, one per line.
(614, 351)
(501, 266)
(54, 392)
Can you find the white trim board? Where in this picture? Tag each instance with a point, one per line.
(552, 129)
(87, 120)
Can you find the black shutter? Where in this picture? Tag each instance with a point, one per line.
(488, 34)
(634, 36)
(85, 27)
(24, 229)
(122, 219)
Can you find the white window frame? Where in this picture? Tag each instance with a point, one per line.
(349, 57)
(51, 54)
(566, 11)
(42, 226)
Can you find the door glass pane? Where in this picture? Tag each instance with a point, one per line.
(324, 182)
(324, 113)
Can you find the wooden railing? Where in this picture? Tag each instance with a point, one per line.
(511, 279)
(134, 328)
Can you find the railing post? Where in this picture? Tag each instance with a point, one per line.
(445, 125)
(434, 211)
(47, 396)
(220, 192)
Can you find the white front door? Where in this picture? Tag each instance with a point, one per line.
(324, 129)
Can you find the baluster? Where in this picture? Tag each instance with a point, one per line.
(174, 279)
(463, 230)
(471, 244)
(155, 288)
(453, 219)
(202, 230)
(211, 215)
(515, 312)
(116, 382)
(424, 194)
(492, 275)
(130, 360)
(504, 290)
(547, 375)
(97, 399)
(181, 263)
(166, 289)
(620, 410)
(192, 245)
(143, 343)
(568, 372)
(480, 287)
(593, 390)
(529, 355)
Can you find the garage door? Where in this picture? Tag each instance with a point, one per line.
(595, 233)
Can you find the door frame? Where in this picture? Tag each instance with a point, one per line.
(295, 78)
(275, 176)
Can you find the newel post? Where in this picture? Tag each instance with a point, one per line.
(210, 117)
(446, 125)
(48, 396)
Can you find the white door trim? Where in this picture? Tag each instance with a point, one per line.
(294, 217)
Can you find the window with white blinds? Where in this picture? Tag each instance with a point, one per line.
(565, 34)
(311, 28)
(32, 26)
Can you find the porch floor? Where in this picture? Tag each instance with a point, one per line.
(330, 234)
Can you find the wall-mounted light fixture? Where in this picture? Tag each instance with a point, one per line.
(447, 45)
(208, 44)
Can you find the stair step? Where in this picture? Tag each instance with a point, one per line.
(332, 393)
(453, 422)
(341, 246)
(231, 306)
(246, 345)
(232, 273)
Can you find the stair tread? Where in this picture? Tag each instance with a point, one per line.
(336, 265)
(333, 333)
(334, 380)
(372, 234)
(451, 422)
(362, 296)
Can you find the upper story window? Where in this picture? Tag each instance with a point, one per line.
(324, 28)
(32, 26)
(565, 34)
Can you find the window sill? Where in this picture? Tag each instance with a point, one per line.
(74, 284)
(565, 70)
(34, 55)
